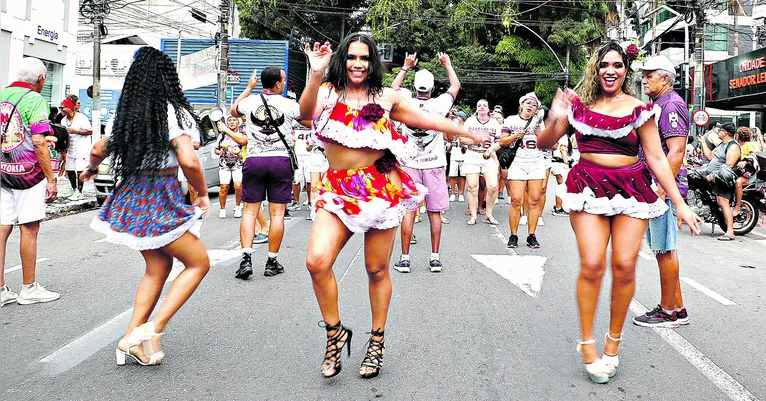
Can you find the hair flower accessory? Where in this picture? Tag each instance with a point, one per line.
(371, 112)
(632, 51)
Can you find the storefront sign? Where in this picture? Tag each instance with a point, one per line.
(108, 101)
(738, 76)
(46, 33)
(199, 69)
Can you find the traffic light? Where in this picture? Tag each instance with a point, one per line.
(679, 85)
(198, 15)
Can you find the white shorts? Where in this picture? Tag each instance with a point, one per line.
(77, 163)
(456, 168)
(523, 170)
(318, 163)
(226, 174)
(22, 206)
(548, 162)
(558, 168)
(475, 163)
(302, 175)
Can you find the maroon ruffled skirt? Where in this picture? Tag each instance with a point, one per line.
(609, 191)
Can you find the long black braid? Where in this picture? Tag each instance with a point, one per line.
(139, 138)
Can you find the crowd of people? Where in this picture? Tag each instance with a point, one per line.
(372, 158)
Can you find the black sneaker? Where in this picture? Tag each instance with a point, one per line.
(682, 317)
(513, 241)
(402, 266)
(436, 266)
(657, 318)
(559, 212)
(273, 268)
(287, 215)
(532, 242)
(245, 267)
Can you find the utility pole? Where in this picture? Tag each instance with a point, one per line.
(96, 11)
(699, 56)
(223, 52)
(566, 71)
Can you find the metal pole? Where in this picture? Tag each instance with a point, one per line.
(223, 52)
(178, 53)
(566, 71)
(96, 112)
(699, 55)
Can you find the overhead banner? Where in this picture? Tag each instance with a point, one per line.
(199, 69)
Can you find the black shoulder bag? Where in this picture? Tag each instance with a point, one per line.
(506, 158)
(290, 152)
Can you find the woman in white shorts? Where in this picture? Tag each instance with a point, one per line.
(317, 165)
(527, 171)
(230, 149)
(475, 164)
(456, 171)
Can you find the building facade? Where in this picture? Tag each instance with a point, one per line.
(46, 29)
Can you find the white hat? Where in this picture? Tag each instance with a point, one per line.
(658, 63)
(530, 95)
(424, 81)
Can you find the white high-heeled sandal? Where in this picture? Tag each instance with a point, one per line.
(597, 370)
(140, 336)
(612, 361)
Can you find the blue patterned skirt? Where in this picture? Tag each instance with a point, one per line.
(147, 212)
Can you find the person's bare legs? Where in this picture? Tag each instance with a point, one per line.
(5, 232)
(517, 198)
(626, 242)
(378, 246)
(544, 193)
(276, 225)
(534, 191)
(247, 224)
(296, 192)
(473, 194)
(728, 215)
(237, 193)
(408, 223)
(559, 201)
(435, 219)
(28, 251)
(461, 185)
(328, 236)
(490, 179)
(192, 194)
(592, 233)
(505, 183)
(262, 223)
(670, 284)
(222, 195)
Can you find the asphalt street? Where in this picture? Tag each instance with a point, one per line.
(494, 325)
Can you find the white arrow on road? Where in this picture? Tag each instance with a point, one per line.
(525, 272)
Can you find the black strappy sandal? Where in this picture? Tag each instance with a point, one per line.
(374, 357)
(332, 355)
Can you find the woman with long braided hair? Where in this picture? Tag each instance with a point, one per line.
(151, 137)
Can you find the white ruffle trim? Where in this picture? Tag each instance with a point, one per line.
(589, 203)
(368, 138)
(587, 129)
(376, 214)
(193, 225)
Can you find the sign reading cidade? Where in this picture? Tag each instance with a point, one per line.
(199, 69)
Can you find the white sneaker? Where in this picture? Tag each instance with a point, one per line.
(7, 296)
(75, 196)
(238, 211)
(222, 214)
(452, 198)
(523, 221)
(422, 210)
(461, 198)
(540, 222)
(497, 201)
(36, 293)
(509, 200)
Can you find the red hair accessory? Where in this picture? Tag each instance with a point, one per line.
(67, 103)
(632, 51)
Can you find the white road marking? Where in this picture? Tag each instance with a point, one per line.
(83, 347)
(761, 241)
(707, 291)
(758, 234)
(525, 272)
(101, 240)
(645, 255)
(14, 268)
(732, 388)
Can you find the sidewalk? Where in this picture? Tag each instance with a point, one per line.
(63, 205)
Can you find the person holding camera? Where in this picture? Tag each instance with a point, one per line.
(267, 172)
(229, 149)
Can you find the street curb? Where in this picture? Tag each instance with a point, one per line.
(54, 210)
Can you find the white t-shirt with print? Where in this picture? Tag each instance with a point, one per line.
(78, 152)
(491, 127)
(528, 150)
(262, 139)
(301, 136)
(431, 152)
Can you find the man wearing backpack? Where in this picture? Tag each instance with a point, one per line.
(27, 181)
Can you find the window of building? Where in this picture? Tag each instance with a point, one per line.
(53, 82)
(28, 15)
(66, 15)
(717, 38)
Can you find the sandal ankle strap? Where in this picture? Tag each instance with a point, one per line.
(587, 342)
(609, 336)
(377, 333)
(329, 327)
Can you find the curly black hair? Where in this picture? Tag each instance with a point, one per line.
(338, 73)
(139, 138)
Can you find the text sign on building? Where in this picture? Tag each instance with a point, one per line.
(199, 69)
(742, 75)
(46, 33)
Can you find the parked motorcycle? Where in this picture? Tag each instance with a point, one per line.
(753, 203)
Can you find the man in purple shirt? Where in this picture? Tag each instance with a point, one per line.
(659, 74)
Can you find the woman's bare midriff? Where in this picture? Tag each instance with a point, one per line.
(166, 171)
(609, 160)
(342, 158)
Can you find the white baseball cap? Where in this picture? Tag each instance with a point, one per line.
(658, 63)
(530, 95)
(424, 81)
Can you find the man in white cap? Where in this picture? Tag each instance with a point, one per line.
(662, 234)
(428, 167)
